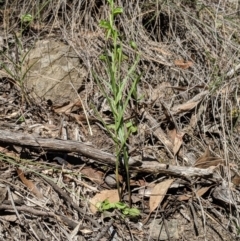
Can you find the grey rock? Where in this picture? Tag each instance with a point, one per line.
(50, 69)
(157, 229)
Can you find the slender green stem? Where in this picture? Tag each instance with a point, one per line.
(116, 99)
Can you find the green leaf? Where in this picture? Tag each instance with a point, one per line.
(106, 205)
(125, 211)
(120, 205)
(131, 127)
(129, 124)
(133, 212)
(110, 2)
(105, 24)
(21, 118)
(26, 18)
(112, 126)
(103, 57)
(117, 10)
(99, 206)
(133, 44)
(109, 33)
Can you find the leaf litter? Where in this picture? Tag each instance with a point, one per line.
(202, 103)
(158, 193)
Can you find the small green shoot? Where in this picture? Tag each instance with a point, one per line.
(120, 206)
(26, 18)
(21, 118)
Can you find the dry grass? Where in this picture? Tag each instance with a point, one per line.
(205, 33)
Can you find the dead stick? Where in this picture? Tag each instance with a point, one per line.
(104, 158)
(68, 146)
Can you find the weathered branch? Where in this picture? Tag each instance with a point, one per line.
(68, 146)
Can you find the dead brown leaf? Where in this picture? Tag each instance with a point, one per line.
(139, 183)
(236, 180)
(30, 185)
(190, 104)
(184, 107)
(110, 195)
(199, 193)
(193, 121)
(176, 138)
(66, 109)
(206, 160)
(172, 134)
(158, 193)
(182, 64)
(93, 175)
(202, 191)
(177, 142)
(184, 197)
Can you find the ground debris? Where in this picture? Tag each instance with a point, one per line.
(56, 155)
